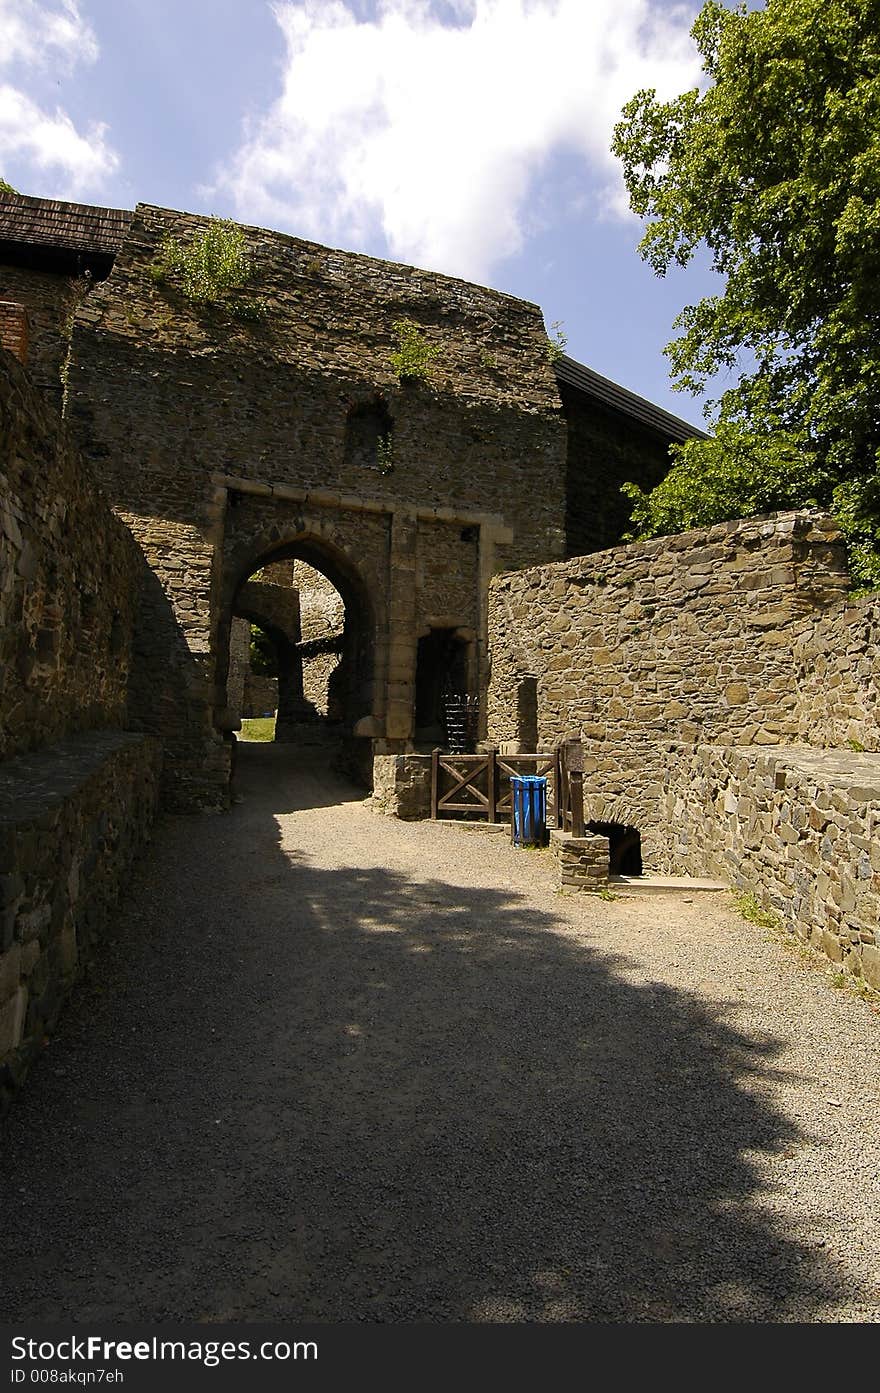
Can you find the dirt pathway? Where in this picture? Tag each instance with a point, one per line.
(336, 1067)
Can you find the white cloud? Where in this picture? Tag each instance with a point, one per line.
(38, 35)
(432, 122)
(40, 39)
(50, 142)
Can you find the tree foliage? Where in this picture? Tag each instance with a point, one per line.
(263, 655)
(6, 188)
(775, 168)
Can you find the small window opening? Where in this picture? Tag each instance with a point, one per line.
(368, 437)
(625, 846)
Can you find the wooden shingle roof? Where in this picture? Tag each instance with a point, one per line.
(49, 222)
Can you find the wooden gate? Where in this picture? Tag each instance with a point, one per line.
(480, 784)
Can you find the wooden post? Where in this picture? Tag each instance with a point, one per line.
(492, 784)
(435, 782)
(576, 785)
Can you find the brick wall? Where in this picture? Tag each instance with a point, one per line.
(14, 329)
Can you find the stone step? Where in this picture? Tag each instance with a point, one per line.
(664, 884)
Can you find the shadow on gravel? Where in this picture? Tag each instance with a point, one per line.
(341, 1095)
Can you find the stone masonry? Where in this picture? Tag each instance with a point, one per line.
(697, 670)
(223, 445)
(77, 792)
(69, 580)
(581, 863)
(73, 818)
(799, 828)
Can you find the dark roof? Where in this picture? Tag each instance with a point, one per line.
(50, 235)
(49, 222)
(610, 394)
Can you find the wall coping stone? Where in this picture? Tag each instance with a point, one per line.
(33, 783)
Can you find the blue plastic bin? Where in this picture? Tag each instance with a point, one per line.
(528, 797)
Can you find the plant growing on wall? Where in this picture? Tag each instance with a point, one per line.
(208, 267)
(557, 342)
(385, 454)
(6, 188)
(413, 356)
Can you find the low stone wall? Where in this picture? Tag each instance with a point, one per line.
(73, 818)
(581, 863)
(799, 828)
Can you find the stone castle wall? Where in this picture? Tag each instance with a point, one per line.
(837, 676)
(798, 828)
(74, 816)
(49, 301)
(69, 578)
(322, 620)
(77, 792)
(698, 671)
(688, 638)
(222, 441)
(605, 450)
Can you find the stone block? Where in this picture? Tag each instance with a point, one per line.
(870, 961)
(12, 1017)
(10, 972)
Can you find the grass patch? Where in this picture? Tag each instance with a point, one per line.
(747, 905)
(257, 728)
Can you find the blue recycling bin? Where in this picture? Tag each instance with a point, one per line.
(528, 800)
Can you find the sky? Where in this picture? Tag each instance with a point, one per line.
(469, 137)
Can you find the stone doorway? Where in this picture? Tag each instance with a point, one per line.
(315, 614)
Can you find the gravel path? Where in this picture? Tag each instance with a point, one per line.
(336, 1067)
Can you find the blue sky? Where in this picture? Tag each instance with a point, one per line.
(466, 136)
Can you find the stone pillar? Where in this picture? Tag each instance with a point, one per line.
(239, 661)
(401, 670)
(581, 862)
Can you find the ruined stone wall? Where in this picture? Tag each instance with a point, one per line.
(605, 449)
(73, 818)
(260, 695)
(239, 664)
(798, 828)
(270, 604)
(322, 619)
(50, 300)
(699, 671)
(837, 676)
(69, 577)
(188, 413)
(689, 638)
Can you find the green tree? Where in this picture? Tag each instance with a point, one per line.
(6, 188)
(775, 168)
(262, 655)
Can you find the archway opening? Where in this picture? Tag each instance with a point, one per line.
(314, 619)
(625, 846)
